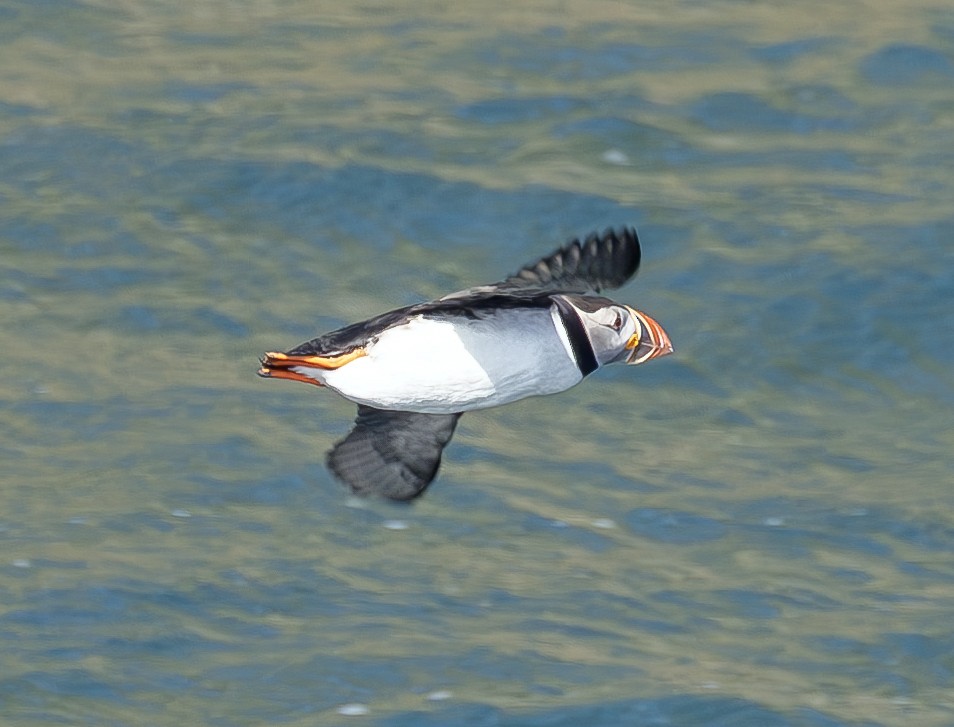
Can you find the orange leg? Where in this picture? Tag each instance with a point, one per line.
(283, 360)
(268, 373)
(279, 365)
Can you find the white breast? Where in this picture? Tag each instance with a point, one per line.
(441, 366)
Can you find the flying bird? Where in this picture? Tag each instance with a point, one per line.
(415, 370)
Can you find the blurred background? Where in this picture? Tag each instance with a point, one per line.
(758, 530)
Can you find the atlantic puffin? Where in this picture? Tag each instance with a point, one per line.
(413, 371)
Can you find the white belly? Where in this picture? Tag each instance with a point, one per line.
(441, 367)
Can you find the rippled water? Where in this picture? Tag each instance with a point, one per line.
(758, 530)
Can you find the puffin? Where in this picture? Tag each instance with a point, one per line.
(414, 371)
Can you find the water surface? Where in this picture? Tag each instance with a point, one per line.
(756, 531)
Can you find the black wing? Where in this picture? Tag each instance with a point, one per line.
(599, 262)
(393, 454)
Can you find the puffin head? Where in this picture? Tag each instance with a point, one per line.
(620, 333)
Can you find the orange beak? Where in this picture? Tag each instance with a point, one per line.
(650, 342)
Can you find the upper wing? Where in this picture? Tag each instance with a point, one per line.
(393, 454)
(599, 262)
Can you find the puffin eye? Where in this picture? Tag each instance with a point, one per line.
(618, 323)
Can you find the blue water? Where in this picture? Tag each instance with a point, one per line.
(757, 530)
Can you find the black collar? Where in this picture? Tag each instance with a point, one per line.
(576, 333)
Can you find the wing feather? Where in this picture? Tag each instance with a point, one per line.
(598, 262)
(392, 454)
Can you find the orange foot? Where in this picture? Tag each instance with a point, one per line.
(279, 365)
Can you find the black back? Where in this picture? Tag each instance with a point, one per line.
(598, 263)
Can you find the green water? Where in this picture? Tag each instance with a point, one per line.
(757, 530)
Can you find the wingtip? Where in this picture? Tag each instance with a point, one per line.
(630, 249)
(613, 256)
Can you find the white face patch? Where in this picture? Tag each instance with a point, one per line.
(609, 329)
